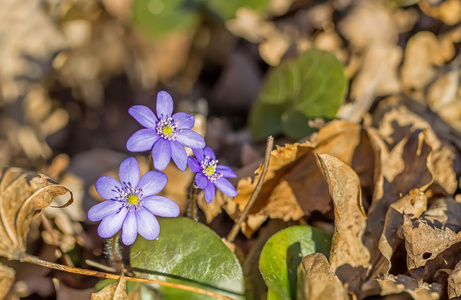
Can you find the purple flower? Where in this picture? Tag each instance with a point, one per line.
(131, 204)
(164, 134)
(209, 174)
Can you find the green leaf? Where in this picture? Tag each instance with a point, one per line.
(310, 86)
(160, 17)
(190, 253)
(227, 9)
(282, 255)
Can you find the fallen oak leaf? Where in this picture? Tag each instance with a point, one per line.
(6, 280)
(114, 291)
(415, 204)
(349, 257)
(22, 193)
(391, 285)
(317, 281)
(454, 282)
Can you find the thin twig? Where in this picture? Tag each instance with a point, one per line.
(236, 228)
(100, 266)
(24, 257)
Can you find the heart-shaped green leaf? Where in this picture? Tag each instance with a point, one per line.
(310, 86)
(190, 253)
(282, 255)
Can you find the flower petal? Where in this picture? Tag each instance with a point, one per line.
(226, 171)
(198, 152)
(129, 171)
(164, 104)
(111, 224)
(179, 155)
(161, 154)
(201, 180)
(130, 228)
(209, 192)
(226, 187)
(143, 115)
(194, 165)
(161, 206)
(185, 121)
(142, 140)
(152, 183)
(106, 187)
(103, 210)
(190, 139)
(148, 226)
(208, 152)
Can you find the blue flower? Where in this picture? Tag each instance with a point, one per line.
(131, 204)
(209, 174)
(164, 134)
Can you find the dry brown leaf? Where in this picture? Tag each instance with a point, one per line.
(398, 120)
(369, 23)
(317, 281)
(22, 193)
(448, 11)
(429, 248)
(391, 285)
(114, 291)
(396, 169)
(349, 257)
(6, 280)
(294, 185)
(423, 53)
(414, 204)
(454, 282)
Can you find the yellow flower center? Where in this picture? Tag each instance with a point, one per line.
(209, 170)
(133, 199)
(167, 130)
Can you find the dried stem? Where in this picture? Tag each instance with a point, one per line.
(24, 257)
(192, 210)
(236, 228)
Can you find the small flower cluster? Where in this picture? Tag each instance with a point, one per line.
(132, 204)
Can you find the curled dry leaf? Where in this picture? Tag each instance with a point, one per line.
(349, 257)
(114, 291)
(414, 204)
(431, 245)
(454, 282)
(317, 281)
(396, 171)
(390, 285)
(22, 193)
(6, 280)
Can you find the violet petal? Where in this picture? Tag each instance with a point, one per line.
(106, 187)
(103, 210)
(129, 171)
(161, 154)
(148, 226)
(112, 224)
(161, 206)
(143, 115)
(130, 228)
(152, 183)
(142, 140)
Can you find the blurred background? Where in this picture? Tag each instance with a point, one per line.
(70, 69)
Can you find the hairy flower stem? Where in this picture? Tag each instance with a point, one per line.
(237, 225)
(24, 257)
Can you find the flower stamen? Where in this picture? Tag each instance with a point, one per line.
(167, 127)
(209, 169)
